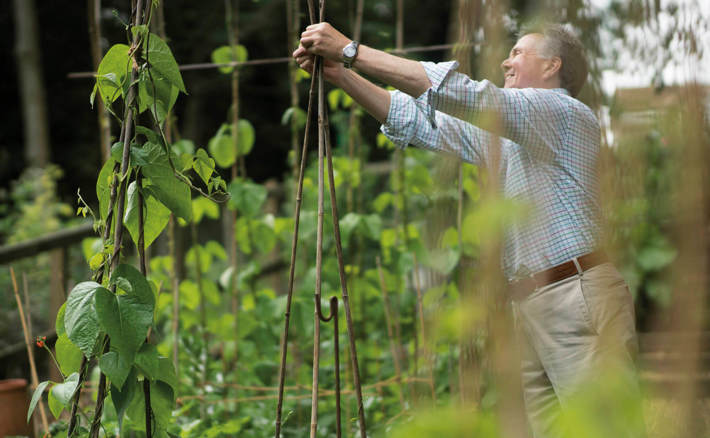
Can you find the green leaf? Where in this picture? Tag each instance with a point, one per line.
(189, 294)
(202, 206)
(148, 362)
(167, 373)
(294, 113)
(655, 258)
(162, 401)
(443, 260)
(122, 398)
(162, 61)
(112, 72)
(68, 355)
(348, 224)
(263, 236)
(382, 201)
(183, 146)
(150, 135)
(164, 185)
(116, 367)
(63, 392)
(126, 318)
(55, 406)
(80, 322)
(35, 398)
(246, 136)
(372, 225)
(158, 95)
(246, 197)
(203, 165)
(216, 249)
(222, 148)
(59, 322)
(103, 187)
(225, 55)
(156, 216)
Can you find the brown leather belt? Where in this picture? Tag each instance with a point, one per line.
(519, 290)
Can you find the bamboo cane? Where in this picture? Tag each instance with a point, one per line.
(28, 344)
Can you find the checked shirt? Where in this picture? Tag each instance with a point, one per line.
(549, 148)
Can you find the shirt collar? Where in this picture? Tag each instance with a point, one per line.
(561, 90)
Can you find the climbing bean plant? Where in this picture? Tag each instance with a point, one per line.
(108, 320)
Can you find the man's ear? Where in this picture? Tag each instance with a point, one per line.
(552, 67)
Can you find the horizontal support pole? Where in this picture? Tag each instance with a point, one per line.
(59, 239)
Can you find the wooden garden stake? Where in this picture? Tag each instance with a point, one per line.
(319, 252)
(294, 247)
(323, 143)
(390, 334)
(28, 344)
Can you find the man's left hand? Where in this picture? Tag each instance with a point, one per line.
(324, 40)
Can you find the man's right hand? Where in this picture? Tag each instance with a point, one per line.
(333, 71)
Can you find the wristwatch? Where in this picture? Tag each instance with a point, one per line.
(349, 53)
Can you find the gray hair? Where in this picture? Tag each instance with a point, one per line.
(561, 42)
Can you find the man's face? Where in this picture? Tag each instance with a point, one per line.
(524, 68)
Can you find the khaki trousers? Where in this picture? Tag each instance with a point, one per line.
(576, 336)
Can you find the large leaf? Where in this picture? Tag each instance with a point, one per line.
(80, 322)
(156, 94)
(162, 61)
(112, 73)
(167, 372)
(222, 148)
(162, 401)
(61, 394)
(155, 214)
(35, 398)
(147, 361)
(122, 398)
(68, 355)
(126, 317)
(116, 367)
(246, 197)
(163, 184)
(55, 406)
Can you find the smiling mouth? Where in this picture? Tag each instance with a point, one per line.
(509, 75)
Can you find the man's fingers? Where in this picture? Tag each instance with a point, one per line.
(300, 51)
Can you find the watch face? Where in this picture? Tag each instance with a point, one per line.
(349, 50)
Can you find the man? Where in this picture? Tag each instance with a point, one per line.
(574, 312)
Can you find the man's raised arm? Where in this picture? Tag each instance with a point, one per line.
(404, 74)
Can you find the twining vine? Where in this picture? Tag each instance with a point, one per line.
(108, 320)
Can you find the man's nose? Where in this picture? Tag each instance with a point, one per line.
(505, 64)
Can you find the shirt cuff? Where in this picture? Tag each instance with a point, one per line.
(399, 127)
(437, 74)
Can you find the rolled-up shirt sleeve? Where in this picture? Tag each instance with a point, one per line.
(407, 123)
(535, 118)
